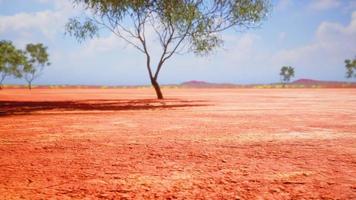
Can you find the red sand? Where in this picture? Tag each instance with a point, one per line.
(197, 144)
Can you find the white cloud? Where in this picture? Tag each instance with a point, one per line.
(46, 22)
(324, 4)
(103, 45)
(320, 59)
(333, 38)
(290, 56)
(240, 49)
(333, 43)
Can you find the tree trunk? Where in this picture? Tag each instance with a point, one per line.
(29, 86)
(1, 80)
(157, 89)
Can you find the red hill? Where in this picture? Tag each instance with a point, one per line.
(315, 82)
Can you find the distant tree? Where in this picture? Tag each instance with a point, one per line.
(177, 26)
(37, 59)
(350, 68)
(11, 60)
(287, 72)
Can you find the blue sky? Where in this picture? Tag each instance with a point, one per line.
(314, 36)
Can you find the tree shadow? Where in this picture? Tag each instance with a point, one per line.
(57, 107)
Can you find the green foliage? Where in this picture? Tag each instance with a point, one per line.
(81, 31)
(11, 59)
(350, 68)
(180, 26)
(197, 22)
(36, 60)
(287, 72)
(18, 63)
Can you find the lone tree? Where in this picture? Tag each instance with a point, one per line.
(11, 59)
(350, 68)
(177, 26)
(287, 72)
(37, 59)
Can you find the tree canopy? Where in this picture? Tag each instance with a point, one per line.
(350, 68)
(178, 26)
(287, 72)
(37, 59)
(11, 60)
(26, 63)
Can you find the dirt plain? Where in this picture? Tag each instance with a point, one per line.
(196, 144)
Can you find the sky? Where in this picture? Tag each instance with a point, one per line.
(313, 36)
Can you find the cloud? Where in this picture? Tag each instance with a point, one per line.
(44, 21)
(321, 5)
(333, 43)
(103, 44)
(240, 49)
(47, 23)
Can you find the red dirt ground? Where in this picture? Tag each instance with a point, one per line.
(197, 144)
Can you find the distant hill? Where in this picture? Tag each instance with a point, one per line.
(315, 82)
(203, 84)
(194, 83)
(300, 83)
